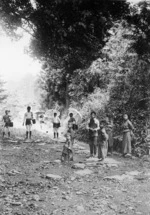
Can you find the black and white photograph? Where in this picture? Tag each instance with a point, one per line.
(74, 107)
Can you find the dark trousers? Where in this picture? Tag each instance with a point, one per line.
(110, 149)
(93, 145)
(110, 141)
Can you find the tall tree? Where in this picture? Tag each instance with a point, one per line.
(140, 19)
(70, 32)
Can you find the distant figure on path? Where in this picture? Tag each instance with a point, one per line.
(41, 120)
(56, 125)
(72, 127)
(7, 123)
(109, 131)
(127, 128)
(103, 142)
(93, 127)
(28, 117)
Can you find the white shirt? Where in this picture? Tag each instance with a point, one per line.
(56, 119)
(28, 115)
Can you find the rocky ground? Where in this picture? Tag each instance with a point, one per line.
(33, 181)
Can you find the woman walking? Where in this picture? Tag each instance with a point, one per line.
(109, 131)
(127, 128)
(28, 117)
(103, 142)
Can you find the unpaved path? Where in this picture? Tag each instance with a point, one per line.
(33, 181)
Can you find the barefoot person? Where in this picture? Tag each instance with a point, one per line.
(56, 125)
(72, 127)
(6, 121)
(67, 153)
(127, 128)
(28, 117)
(103, 142)
(109, 131)
(93, 127)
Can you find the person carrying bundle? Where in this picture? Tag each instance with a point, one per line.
(7, 123)
(28, 121)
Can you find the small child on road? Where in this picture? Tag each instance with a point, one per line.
(67, 153)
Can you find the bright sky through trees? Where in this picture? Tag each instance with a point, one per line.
(14, 62)
(134, 1)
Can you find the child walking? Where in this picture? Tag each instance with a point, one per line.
(127, 128)
(56, 125)
(28, 117)
(67, 153)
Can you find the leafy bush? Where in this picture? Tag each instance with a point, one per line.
(96, 101)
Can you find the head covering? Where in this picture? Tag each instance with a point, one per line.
(93, 112)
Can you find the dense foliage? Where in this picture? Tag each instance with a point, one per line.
(68, 34)
(95, 53)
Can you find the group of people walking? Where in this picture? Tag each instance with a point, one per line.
(101, 136)
(100, 132)
(98, 137)
(101, 139)
(27, 121)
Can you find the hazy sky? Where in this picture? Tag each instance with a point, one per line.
(14, 64)
(134, 1)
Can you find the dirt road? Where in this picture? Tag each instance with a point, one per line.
(34, 182)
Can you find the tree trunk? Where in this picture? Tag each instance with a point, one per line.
(148, 105)
(49, 102)
(67, 96)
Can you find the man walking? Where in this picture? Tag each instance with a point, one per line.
(93, 127)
